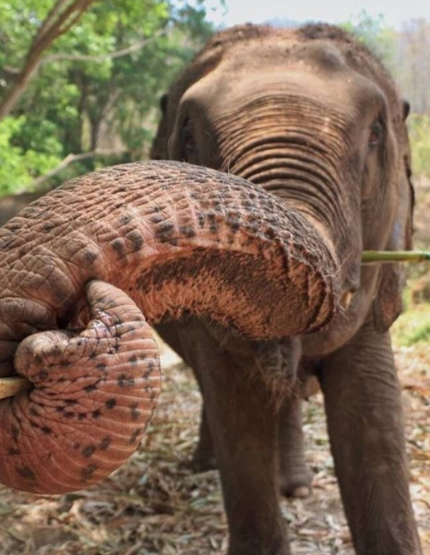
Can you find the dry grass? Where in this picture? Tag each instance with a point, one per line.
(156, 505)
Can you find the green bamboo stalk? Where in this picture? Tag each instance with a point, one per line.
(375, 257)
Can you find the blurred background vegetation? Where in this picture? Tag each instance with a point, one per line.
(80, 82)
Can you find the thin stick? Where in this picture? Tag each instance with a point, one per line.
(11, 386)
(375, 257)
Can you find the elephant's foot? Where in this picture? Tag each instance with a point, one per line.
(296, 484)
(295, 478)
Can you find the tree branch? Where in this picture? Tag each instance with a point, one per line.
(109, 55)
(55, 24)
(75, 18)
(58, 23)
(50, 18)
(10, 70)
(69, 159)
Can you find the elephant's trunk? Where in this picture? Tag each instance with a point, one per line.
(294, 150)
(178, 239)
(82, 419)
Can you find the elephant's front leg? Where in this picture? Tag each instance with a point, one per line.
(243, 425)
(295, 476)
(365, 425)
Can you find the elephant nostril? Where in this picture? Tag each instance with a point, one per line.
(346, 299)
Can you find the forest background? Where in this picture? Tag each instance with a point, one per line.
(80, 80)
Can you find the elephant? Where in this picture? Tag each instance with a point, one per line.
(296, 478)
(313, 117)
(87, 269)
(254, 265)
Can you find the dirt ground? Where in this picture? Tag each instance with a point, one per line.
(156, 505)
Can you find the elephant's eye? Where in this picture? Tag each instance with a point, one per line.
(376, 133)
(188, 144)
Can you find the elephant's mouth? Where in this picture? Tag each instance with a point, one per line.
(176, 239)
(346, 298)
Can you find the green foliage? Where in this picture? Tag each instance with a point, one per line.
(75, 104)
(419, 132)
(18, 167)
(412, 326)
(376, 35)
(18, 21)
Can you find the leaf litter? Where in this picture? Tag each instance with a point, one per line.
(156, 505)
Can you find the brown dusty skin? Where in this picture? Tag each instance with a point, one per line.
(113, 388)
(177, 239)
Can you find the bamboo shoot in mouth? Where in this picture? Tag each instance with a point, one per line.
(378, 257)
(12, 386)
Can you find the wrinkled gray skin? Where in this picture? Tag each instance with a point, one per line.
(312, 117)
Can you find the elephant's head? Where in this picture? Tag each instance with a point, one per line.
(84, 269)
(314, 118)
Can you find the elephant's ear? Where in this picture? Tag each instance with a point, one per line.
(163, 104)
(159, 148)
(388, 304)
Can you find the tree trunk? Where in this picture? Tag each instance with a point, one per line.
(61, 18)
